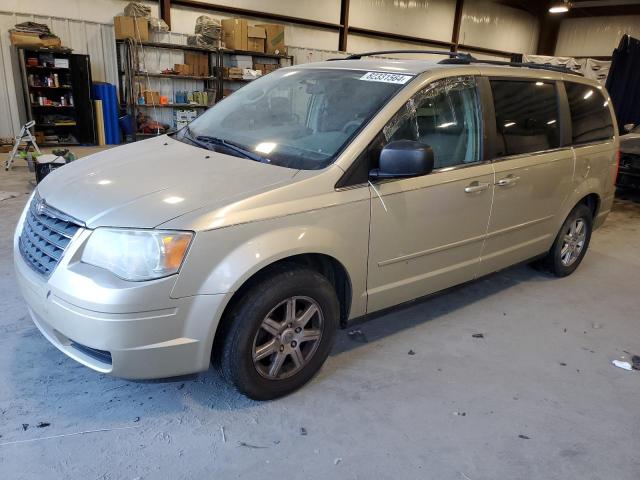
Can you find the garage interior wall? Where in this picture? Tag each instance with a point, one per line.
(594, 36)
(87, 28)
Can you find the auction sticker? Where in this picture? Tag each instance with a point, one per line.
(386, 77)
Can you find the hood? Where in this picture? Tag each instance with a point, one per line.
(147, 183)
(630, 143)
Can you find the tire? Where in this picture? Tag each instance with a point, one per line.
(253, 346)
(559, 261)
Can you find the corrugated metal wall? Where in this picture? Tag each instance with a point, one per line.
(594, 36)
(91, 38)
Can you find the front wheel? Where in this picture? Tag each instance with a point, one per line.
(572, 242)
(280, 332)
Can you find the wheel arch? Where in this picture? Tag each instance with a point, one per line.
(325, 264)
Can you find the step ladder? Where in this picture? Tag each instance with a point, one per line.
(26, 137)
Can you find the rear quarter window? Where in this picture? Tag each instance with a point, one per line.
(590, 116)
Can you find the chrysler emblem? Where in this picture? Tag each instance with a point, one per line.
(40, 207)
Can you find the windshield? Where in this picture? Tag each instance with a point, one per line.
(299, 119)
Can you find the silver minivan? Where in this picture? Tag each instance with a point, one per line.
(315, 195)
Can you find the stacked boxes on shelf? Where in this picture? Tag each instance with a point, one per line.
(263, 38)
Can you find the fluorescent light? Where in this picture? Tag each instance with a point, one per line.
(447, 124)
(551, 122)
(588, 94)
(539, 84)
(104, 182)
(266, 147)
(173, 200)
(559, 7)
(509, 124)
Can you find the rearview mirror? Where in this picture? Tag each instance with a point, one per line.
(628, 127)
(404, 158)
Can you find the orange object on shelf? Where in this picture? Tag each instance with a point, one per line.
(164, 100)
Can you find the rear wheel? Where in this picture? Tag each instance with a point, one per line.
(571, 244)
(280, 332)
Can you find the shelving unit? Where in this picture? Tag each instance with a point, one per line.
(132, 107)
(226, 53)
(58, 98)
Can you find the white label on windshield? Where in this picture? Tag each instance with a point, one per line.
(385, 77)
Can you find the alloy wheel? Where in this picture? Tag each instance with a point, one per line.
(573, 242)
(287, 338)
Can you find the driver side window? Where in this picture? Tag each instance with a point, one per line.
(446, 116)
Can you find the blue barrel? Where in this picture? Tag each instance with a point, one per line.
(107, 93)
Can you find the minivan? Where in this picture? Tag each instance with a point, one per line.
(315, 195)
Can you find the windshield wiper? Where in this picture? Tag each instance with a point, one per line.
(207, 142)
(232, 146)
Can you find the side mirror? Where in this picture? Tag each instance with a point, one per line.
(628, 127)
(404, 158)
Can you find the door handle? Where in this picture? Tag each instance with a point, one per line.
(475, 187)
(507, 181)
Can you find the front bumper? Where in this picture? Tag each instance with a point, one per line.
(126, 329)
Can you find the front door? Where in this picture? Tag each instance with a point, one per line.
(427, 232)
(533, 172)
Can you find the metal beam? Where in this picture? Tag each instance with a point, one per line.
(344, 21)
(396, 36)
(457, 21)
(255, 13)
(165, 11)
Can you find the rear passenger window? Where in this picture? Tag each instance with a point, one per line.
(526, 116)
(590, 116)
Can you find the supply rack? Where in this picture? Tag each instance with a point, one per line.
(214, 81)
(131, 106)
(72, 120)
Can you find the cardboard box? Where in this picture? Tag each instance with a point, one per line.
(130, 27)
(256, 37)
(151, 97)
(242, 61)
(275, 38)
(61, 62)
(182, 69)
(24, 39)
(235, 72)
(234, 33)
(198, 62)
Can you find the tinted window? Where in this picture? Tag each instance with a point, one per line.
(445, 116)
(526, 116)
(590, 117)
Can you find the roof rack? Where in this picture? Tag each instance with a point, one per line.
(358, 56)
(537, 66)
(459, 58)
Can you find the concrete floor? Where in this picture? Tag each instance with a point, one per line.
(536, 398)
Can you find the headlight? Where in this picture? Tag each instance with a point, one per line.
(137, 255)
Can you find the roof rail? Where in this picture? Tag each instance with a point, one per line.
(464, 59)
(538, 66)
(358, 56)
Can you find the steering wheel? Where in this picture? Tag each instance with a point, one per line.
(353, 124)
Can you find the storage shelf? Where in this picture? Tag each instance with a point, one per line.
(54, 125)
(35, 105)
(254, 54)
(62, 87)
(41, 67)
(173, 46)
(165, 75)
(173, 105)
